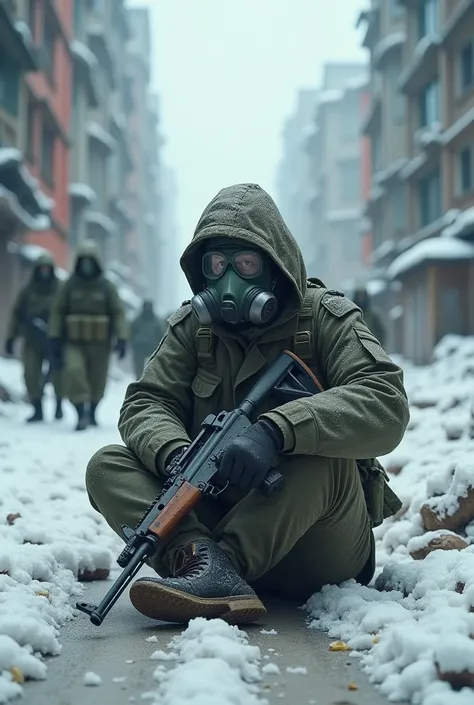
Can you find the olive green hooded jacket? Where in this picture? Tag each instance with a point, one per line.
(33, 301)
(81, 296)
(364, 411)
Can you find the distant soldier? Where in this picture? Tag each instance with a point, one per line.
(87, 317)
(29, 320)
(145, 333)
(372, 318)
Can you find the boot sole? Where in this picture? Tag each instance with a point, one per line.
(169, 605)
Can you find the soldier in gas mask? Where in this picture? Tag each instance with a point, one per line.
(252, 300)
(29, 320)
(87, 318)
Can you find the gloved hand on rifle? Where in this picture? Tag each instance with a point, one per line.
(121, 349)
(249, 457)
(9, 347)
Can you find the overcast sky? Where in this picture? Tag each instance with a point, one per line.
(228, 72)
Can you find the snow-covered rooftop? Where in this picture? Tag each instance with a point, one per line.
(330, 96)
(391, 41)
(434, 249)
(357, 82)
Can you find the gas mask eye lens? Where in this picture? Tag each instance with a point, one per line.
(214, 265)
(248, 264)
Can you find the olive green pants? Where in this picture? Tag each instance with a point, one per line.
(315, 531)
(85, 371)
(33, 361)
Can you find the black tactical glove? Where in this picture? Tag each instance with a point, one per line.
(246, 461)
(121, 349)
(9, 347)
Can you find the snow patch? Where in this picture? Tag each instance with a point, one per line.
(391, 41)
(97, 132)
(462, 224)
(91, 678)
(81, 51)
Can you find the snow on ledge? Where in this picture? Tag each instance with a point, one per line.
(463, 223)
(82, 52)
(102, 220)
(97, 132)
(421, 49)
(391, 41)
(80, 190)
(436, 248)
(456, 128)
(38, 222)
(375, 286)
(330, 96)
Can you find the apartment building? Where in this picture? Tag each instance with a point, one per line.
(47, 121)
(24, 207)
(337, 155)
(421, 195)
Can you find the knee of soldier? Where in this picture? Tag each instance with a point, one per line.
(314, 471)
(100, 466)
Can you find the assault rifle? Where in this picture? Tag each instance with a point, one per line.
(192, 475)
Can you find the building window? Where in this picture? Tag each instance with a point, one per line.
(30, 130)
(466, 66)
(350, 181)
(429, 191)
(98, 174)
(350, 117)
(9, 86)
(32, 10)
(49, 44)
(398, 207)
(376, 152)
(47, 155)
(396, 9)
(451, 311)
(465, 165)
(397, 99)
(78, 17)
(428, 18)
(429, 104)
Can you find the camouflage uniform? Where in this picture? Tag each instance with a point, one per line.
(87, 316)
(318, 529)
(29, 320)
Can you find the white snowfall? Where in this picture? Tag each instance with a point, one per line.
(413, 626)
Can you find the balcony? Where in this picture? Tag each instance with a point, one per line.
(386, 48)
(463, 14)
(100, 45)
(22, 204)
(15, 38)
(86, 65)
(422, 66)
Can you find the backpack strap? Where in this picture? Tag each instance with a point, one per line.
(303, 340)
(204, 344)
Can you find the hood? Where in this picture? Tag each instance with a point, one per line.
(88, 248)
(46, 258)
(247, 212)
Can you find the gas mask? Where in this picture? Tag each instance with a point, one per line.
(44, 273)
(87, 268)
(239, 287)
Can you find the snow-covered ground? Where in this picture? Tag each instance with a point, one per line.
(49, 533)
(414, 629)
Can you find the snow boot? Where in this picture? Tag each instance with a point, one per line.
(58, 415)
(81, 417)
(38, 412)
(204, 584)
(92, 417)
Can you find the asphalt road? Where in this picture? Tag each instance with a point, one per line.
(105, 650)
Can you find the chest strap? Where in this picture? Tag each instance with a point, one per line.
(204, 344)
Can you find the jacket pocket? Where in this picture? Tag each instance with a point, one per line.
(205, 388)
(205, 383)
